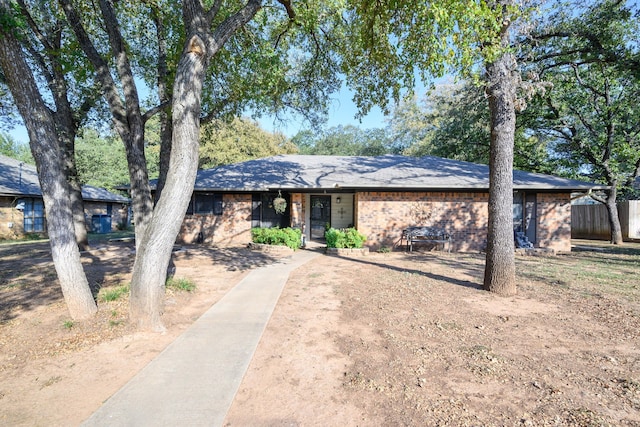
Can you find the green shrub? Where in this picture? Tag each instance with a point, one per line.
(348, 238)
(290, 237)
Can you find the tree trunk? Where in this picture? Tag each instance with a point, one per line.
(499, 274)
(166, 129)
(614, 219)
(165, 152)
(47, 153)
(67, 136)
(154, 253)
(79, 220)
(141, 200)
(75, 194)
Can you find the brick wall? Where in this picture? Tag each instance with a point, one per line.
(233, 227)
(10, 215)
(554, 221)
(382, 216)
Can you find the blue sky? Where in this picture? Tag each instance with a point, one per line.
(341, 112)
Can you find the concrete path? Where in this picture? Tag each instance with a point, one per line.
(194, 380)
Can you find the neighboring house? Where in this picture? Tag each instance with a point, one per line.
(22, 208)
(380, 196)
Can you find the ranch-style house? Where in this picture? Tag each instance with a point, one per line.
(380, 196)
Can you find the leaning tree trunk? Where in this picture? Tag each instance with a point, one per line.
(614, 219)
(75, 195)
(47, 153)
(154, 252)
(79, 220)
(166, 129)
(499, 273)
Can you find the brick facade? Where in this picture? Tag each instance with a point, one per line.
(9, 215)
(297, 210)
(382, 216)
(233, 227)
(11, 220)
(119, 214)
(554, 221)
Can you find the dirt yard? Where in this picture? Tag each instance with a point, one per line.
(386, 339)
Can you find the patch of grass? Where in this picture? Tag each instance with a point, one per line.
(590, 272)
(68, 324)
(384, 250)
(114, 323)
(16, 285)
(113, 293)
(180, 284)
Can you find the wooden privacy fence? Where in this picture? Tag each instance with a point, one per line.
(592, 221)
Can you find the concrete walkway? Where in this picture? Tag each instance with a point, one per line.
(194, 380)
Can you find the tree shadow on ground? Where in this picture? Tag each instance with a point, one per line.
(28, 278)
(454, 261)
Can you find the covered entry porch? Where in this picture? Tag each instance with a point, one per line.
(327, 210)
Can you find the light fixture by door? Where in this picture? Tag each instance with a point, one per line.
(338, 200)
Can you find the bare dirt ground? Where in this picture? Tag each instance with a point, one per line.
(386, 339)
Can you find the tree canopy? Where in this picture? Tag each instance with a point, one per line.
(591, 116)
(14, 149)
(224, 142)
(344, 141)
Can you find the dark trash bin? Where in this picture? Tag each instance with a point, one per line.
(101, 224)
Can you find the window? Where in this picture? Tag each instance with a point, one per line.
(518, 211)
(205, 203)
(33, 216)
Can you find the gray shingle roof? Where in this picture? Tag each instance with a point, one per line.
(21, 179)
(389, 172)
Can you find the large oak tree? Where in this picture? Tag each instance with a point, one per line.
(48, 151)
(395, 41)
(591, 116)
(269, 56)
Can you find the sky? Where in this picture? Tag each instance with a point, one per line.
(341, 112)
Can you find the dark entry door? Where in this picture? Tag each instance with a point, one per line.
(320, 215)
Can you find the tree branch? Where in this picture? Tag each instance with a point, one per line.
(152, 111)
(230, 25)
(102, 68)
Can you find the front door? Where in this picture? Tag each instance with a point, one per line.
(320, 215)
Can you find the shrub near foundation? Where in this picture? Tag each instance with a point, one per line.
(290, 237)
(349, 238)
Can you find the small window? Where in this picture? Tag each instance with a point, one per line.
(34, 220)
(205, 204)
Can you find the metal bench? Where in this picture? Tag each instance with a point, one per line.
(418, 235)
